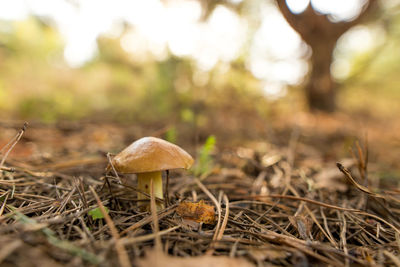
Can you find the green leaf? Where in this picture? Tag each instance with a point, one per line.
(170, 135)
(96, 213)
(205, 161)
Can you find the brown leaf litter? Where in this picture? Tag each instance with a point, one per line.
(270, 210)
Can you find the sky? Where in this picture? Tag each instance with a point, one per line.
(275, 53)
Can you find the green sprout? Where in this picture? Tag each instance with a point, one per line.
(205, 161)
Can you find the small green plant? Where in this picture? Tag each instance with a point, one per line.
(170, 135)
(205, 161)
(96, 213)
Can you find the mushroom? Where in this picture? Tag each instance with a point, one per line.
(147, 158)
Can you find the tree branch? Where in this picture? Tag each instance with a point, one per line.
(366, 11)
(309, 23)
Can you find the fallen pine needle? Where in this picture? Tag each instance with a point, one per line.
(119, 246)
(138, 239)
(13, 142)
(62, 244)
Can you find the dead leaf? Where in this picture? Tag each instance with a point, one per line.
(198, 212)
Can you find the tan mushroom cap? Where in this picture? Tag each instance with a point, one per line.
(150, 154)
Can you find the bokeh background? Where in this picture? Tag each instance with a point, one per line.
(72, 59)
(237, 69)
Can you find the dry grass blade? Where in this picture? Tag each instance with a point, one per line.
(119, 246)
(225, 221)
(362, 188)
(221, 230)
(13, 142)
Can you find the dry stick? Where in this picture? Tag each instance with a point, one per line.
(18, 137)
(119, 246)
(156, 229)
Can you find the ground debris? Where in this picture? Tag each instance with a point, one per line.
(272, 210)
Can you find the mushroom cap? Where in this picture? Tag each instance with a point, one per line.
(150, 154)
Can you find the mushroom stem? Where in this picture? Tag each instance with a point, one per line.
(144, 179)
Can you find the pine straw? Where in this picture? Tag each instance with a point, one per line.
(44, 217)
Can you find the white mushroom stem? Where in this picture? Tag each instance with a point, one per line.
(144, 185)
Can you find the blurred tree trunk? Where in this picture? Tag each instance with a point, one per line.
(321, 35)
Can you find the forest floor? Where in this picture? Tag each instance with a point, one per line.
(280, 198)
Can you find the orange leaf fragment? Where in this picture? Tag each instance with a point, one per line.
(198, 212)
